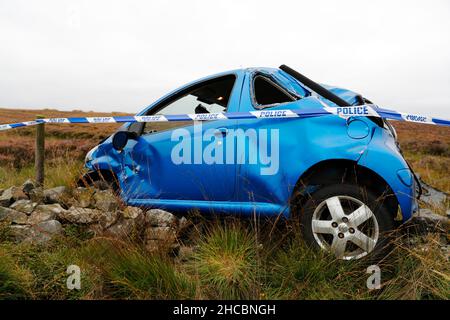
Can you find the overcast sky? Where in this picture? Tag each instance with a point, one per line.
(122, 55)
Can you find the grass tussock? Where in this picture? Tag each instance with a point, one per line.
(226, 262)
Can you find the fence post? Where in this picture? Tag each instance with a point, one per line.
(40, 153)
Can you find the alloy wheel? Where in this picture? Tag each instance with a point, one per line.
(345, 226)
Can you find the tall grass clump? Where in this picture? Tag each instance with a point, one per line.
(128, 272)
(298, 271)
(226, 262)
(15, 281)
(48, 265)
(419, 272)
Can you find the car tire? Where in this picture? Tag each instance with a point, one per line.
(357, 225)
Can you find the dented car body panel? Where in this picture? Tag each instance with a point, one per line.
(148, 177)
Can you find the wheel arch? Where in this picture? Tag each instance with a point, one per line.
(335, 171)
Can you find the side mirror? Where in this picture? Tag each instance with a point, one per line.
(120, 139)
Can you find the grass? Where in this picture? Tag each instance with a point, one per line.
(227, 264)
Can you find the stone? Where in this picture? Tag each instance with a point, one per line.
(51, 227)
(13, 216)
(152, 245)
(160, 233)
(159, 218)
(80, 215)
(430, 215)
(427, 221)
(83, 197)
(25, 206)
(432, 196)
(183, 223)
(185, 253)
(40, 233)
(108, 218)
(54, 195)
(21, 233)
(28, 186)
(36, 195)
(105, 200)
(132, 212)
(45, 212)
(10, 195)
(124, 229)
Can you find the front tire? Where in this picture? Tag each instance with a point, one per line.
(348, 221)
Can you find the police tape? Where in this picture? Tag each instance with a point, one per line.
(368, 110)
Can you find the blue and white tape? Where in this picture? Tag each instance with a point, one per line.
(368, 110)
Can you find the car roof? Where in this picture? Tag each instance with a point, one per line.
(285, 79)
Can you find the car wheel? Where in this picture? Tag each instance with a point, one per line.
(346, 220)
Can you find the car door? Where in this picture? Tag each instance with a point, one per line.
(180, 160)
(266, 179)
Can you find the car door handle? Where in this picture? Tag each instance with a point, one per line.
(221, 131)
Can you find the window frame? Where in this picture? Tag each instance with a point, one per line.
(271, 80)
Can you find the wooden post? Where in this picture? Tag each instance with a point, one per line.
(40, 153)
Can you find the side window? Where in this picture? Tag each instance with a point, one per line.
(267, 92)
(207, 97)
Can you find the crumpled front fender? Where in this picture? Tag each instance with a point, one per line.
(383, 157)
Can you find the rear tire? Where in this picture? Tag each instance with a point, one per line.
(347, 221)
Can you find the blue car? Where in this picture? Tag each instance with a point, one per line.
(345, 179)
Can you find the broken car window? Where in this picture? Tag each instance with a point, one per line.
(207, 97)
(267, 92)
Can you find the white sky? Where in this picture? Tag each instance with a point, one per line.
(122, 55)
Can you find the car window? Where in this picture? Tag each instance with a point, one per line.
(266, 92)
(207, 97)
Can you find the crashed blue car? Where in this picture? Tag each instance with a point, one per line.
(345, 179)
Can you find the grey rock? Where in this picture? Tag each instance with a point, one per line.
(430, 215)
(427, 221)
(51, 227)
(10, 195)
(107, 219)
(40, 233)
(21, 233)
(28, 186)
(89, 216)
(13, 216)
(45, 212)
(160, 233)
(124, 229)
(54, 195)
(36, 195)
(432, 196)
(83, 197)
(25, 206)
(159, 218)
(132, 212)
(80, 215)
(183, 223)
(185, 252)
(105, 200)
(152, 245)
